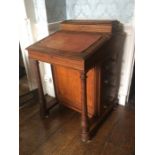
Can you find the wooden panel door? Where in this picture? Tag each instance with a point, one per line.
(68, 88)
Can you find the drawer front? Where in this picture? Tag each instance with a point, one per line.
(109, 84)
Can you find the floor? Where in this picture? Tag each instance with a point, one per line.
(60, 133)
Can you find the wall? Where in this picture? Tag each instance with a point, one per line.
(56, 10)
(34, 22)
(121, 10)
(127, 62)
(41, 32)
(34, 26)
(25, 38)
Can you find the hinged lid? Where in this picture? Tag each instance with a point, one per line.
(70, 41)
(76, 38)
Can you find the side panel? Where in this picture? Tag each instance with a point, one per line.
(68, 84)
(107, 84)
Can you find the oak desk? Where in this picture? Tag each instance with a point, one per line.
(78, 54)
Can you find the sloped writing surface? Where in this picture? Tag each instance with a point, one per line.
(70, 41)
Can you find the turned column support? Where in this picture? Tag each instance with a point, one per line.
(84, 120)
(42, 100)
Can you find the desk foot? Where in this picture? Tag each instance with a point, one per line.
(85, 137)
(98, 121)
(49, 105)
(46, 116)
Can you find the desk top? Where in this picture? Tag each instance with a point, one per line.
(69, 41)
(75, 41)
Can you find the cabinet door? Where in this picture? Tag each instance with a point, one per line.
(68, 87)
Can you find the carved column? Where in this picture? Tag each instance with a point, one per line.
(42, 101)
(84, 121)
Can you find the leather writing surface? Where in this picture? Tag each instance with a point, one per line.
(70, 41)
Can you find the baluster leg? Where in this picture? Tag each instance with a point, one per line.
(84, 121)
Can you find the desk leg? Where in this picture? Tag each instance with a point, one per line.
(54, 84)
(84, 121)
(42, 100)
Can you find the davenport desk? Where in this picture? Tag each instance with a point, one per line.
(78, 54)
